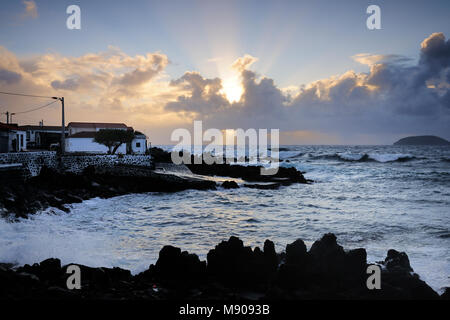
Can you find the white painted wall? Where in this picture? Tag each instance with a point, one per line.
(88, 145)
(139, 145)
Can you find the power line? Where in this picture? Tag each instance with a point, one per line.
(27, 95)
(38, 108)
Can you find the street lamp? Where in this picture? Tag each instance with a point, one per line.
(63, 127)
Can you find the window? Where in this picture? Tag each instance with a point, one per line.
(138, 144)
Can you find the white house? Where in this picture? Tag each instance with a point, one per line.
(139, 144)
(81, 139)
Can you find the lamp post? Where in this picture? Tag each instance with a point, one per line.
(63, 126)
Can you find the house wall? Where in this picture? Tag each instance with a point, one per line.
(88, 145)
(139, 145)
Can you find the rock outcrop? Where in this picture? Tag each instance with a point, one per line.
(232, 271)
(54, 189)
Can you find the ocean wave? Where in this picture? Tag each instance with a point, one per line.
(289, 154)
(367, 157)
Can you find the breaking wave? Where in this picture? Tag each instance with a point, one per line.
(367, 157)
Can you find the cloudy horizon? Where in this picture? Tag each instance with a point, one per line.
(361, 94)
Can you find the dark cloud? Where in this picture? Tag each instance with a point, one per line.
(68, 84)
(152, 65)
(9, 77)
(395, 96)
(203, 95)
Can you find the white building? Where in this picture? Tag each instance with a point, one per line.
(81, 139)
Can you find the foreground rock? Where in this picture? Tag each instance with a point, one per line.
(232, 271)
(53, 189)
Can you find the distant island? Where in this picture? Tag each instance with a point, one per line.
(422, 140)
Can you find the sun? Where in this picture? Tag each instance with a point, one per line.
(232, 89)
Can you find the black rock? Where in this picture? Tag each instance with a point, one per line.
(397, 261)
(238, 266)
(446, 294)
(296, 252)
(230, 185)
(176, 268)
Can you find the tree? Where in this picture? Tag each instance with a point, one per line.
(113, 138)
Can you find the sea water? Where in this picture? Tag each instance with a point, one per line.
(376, 197)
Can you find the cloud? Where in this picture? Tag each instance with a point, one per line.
(372, 59)
(395, 96)
(68, 84)
(109, 86)
(244, 62)
(9, 77)
(30, 9)
(149, 66)
(202, 96)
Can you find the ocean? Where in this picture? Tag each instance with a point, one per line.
(376, 197)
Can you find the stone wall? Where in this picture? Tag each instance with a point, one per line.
(33, 162)
(77, 163)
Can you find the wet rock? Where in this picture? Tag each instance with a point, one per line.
(327, 256)
(397, 261)
(248, 173)
(177, 268)
(238, 266)
(234, 271)
(296, 252)
(356, 263)
(446, 294)
(230, 185)
(269, 186)
(54, 189)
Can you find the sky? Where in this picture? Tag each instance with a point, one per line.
(309, 68)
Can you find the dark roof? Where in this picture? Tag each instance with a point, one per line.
(95, 125)
(8, 127)
(84, 134)
(41, 128)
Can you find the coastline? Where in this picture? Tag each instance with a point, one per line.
(53, 188)
(56, 189)
(231, 271)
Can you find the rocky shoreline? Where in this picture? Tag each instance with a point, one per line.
(52, 188)
(232, 272)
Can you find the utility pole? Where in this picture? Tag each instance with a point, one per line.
(63, 128)
(63, 125)
(7, 117)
